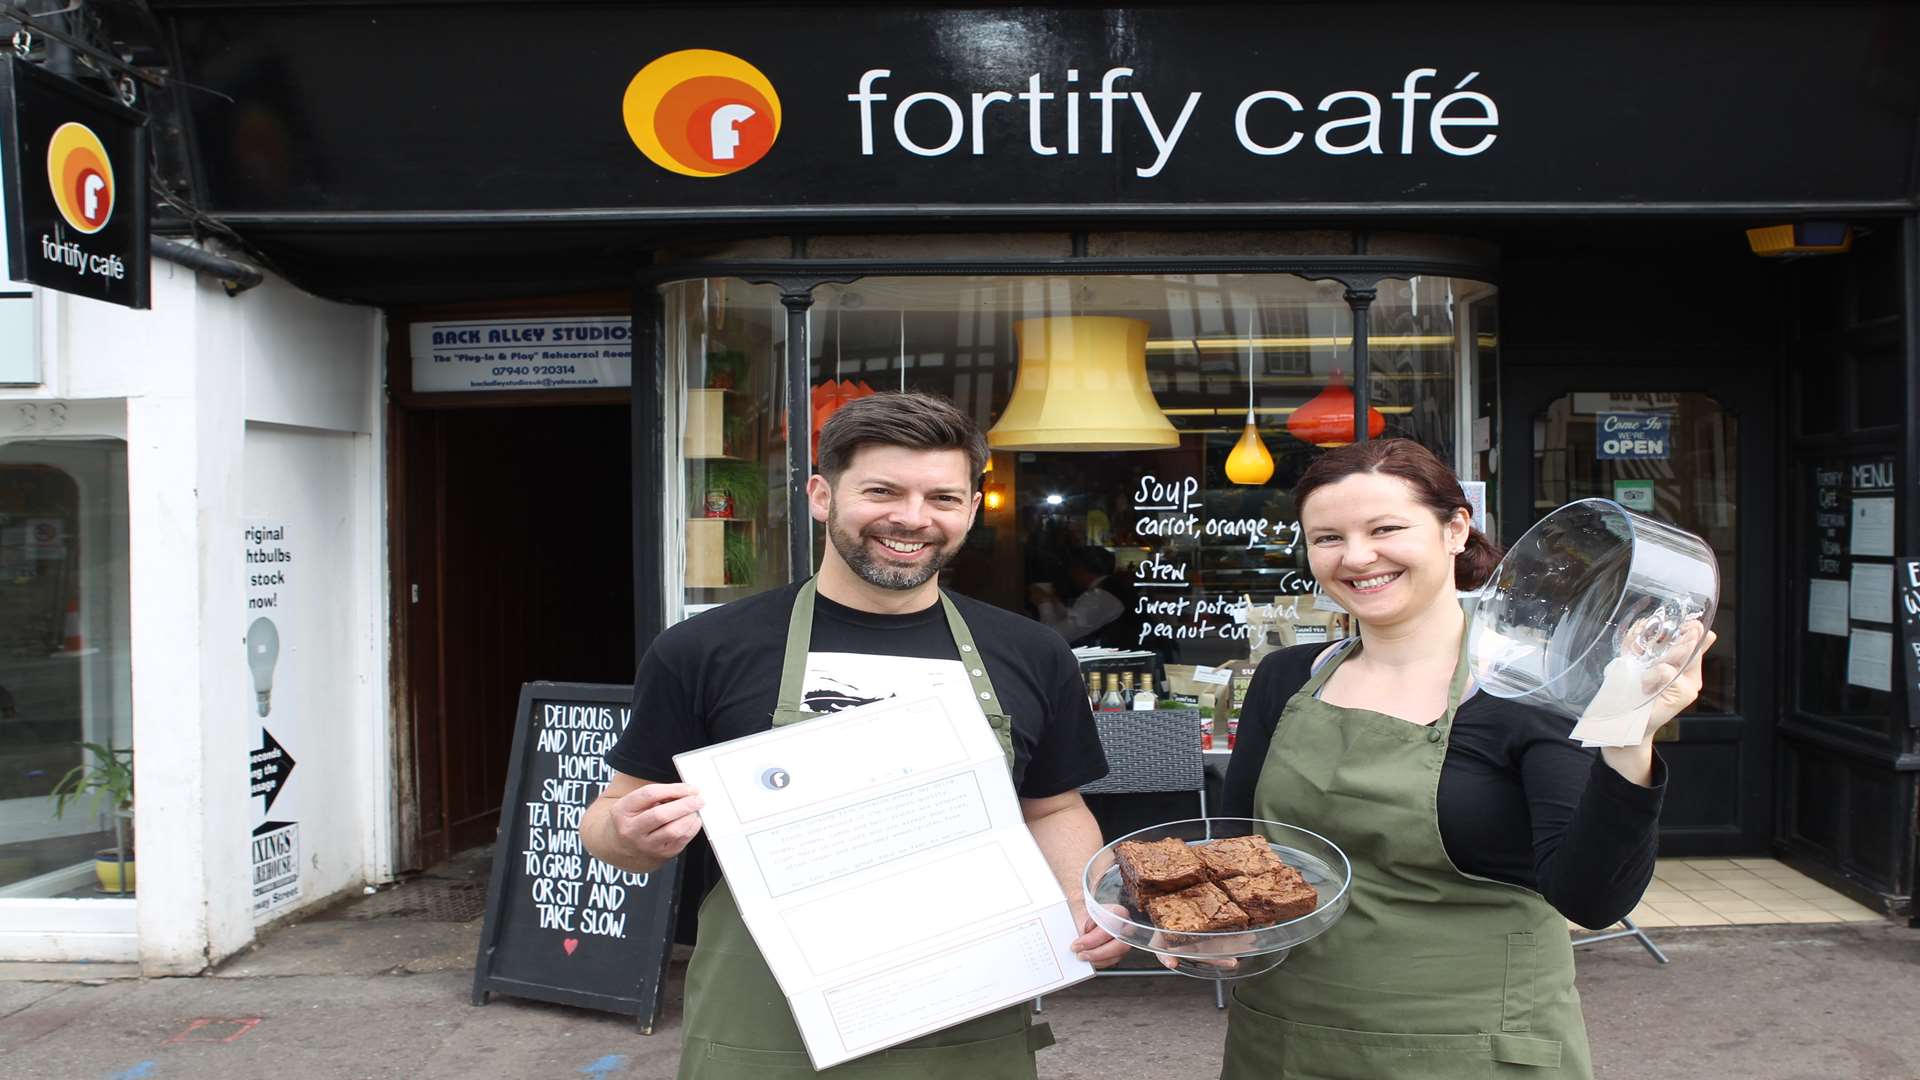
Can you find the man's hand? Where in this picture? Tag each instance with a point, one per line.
(639, 827)
(1096, 946)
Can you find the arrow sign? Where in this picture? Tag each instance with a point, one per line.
(269, 767)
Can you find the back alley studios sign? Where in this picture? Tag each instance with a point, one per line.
(74, 166)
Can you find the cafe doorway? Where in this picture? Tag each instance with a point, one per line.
(512, 561)
(1704, 460)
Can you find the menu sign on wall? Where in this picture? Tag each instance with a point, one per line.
(561, 925)
(1851, 587)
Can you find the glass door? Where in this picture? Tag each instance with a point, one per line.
(1691, 447)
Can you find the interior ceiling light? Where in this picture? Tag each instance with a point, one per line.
(1249, 464)
(1082, 385)
(1327, 420)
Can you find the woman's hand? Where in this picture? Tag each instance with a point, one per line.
(1683, 687)
(1636, 762)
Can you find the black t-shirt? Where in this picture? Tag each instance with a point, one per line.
(716, 677)
(1519, 802)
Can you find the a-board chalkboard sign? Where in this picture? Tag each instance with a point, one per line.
(561, 925)
(1906, 588)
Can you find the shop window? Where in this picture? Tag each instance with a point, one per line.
(1881, 393)
(1191, 545)
(1413, 347)
(65, 677)
(726, 491)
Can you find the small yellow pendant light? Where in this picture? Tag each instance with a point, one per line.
(1082, 385)
(1249, 464)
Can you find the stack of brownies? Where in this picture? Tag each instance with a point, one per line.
(1237, 883)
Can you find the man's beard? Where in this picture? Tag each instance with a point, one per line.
(871, 570)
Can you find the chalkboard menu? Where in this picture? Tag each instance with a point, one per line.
(1907, 579)
(561, 925)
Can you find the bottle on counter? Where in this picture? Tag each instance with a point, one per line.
(1111, 701)
(1093, 689)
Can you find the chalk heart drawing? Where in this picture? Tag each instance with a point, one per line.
(570, 944)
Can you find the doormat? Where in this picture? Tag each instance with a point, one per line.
(424, 899)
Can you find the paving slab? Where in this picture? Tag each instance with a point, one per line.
(333, 1000)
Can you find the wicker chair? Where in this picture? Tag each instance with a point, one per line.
(1151, 752)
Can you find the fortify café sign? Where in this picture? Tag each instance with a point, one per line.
(710, 114)
(75, 171)
(1266, 122)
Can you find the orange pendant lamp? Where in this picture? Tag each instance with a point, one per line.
(1248, 463)
(1082, 385)
(1327, 420)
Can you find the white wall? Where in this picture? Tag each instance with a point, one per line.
(235, 408)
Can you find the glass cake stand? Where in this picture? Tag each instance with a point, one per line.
(1230, 954)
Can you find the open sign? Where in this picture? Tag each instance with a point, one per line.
(1622, 436)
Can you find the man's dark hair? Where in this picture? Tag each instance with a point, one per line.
(913, 420)
(1095, 560)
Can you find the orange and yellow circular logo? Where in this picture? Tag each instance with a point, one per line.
(702, 113)
(81, 177)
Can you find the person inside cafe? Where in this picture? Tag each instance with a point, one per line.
(1475, 826)
(898, 489)
(1102, 610)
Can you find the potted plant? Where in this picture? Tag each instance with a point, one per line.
(745, 483)
(108, 778)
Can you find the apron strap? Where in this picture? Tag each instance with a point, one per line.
(1318, 678)
(970, 658)
(793, 668)
(1457, 689)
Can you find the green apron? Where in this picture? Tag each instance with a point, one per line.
(1431, 974)
(737, 1025)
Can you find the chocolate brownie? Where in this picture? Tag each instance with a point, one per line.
(1200, 909)
(1152, 868)
(1238, 856)
(1273, 897)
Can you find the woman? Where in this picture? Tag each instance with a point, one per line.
(1475, 827)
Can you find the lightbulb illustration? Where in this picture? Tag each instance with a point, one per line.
(263, 651)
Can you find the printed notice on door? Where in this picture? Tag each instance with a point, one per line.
(879, 858)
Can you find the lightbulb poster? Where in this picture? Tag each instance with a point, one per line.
(274, 845)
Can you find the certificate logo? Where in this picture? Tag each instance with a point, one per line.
(698, 112)
(81, 177)
(776, 779)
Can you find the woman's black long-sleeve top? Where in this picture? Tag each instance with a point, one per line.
(1518, 802)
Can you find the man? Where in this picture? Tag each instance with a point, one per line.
(1103, 612)
(897, 489)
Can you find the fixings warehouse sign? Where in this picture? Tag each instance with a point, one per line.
(73, 167)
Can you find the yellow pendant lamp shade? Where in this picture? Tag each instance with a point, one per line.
(1082, 385)
(1248, 463)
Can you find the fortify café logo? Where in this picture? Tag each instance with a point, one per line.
(699, 112)
(81, 177)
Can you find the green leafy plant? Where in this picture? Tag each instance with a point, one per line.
(726, 369)
(108, 777)
(746, 481)
(742, 566)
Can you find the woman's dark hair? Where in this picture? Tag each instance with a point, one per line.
(1432, 482)
(913, 420)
